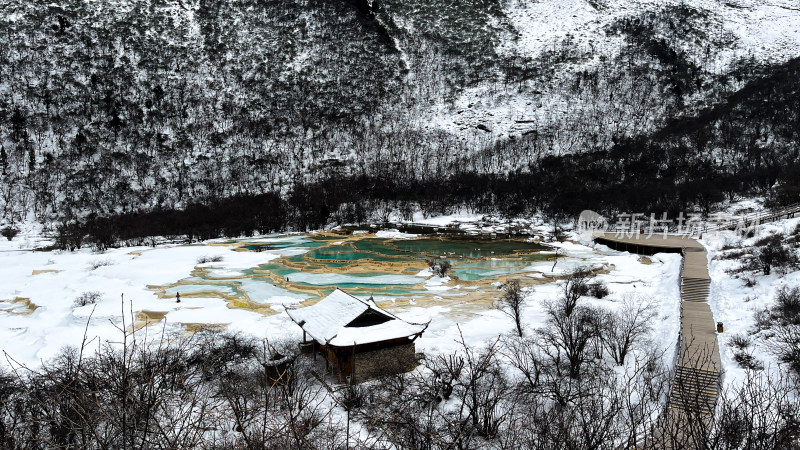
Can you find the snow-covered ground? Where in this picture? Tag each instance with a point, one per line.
(734, 303)
(53, 280)
(629, 278)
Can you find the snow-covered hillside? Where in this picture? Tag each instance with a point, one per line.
(117, 108)
(715, 36)
(741, 292)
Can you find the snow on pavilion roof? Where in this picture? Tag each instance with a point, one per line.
(343, 320)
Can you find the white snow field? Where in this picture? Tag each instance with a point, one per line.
(53, 280)
(734, 303)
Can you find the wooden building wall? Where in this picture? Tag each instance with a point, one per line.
(373, 360)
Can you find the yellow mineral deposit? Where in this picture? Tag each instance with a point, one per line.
(192, 328)
(18, 306)
(146, 318)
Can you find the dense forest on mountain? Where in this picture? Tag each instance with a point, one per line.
(120, 120)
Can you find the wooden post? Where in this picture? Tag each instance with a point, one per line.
(353, 364)
(339, 367)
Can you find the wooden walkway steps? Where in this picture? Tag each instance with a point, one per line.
(695, 387)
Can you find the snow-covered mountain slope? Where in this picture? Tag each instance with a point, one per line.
(714, 35)
(768, 30)
(112, 108)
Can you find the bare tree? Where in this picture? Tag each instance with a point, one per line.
(512, 302)
(786, 346)
(762, 412)
(623, 329)
(772, 253)
(569, 331)
(444, 267)
(575, 287)
(526, 356)
(441, 268)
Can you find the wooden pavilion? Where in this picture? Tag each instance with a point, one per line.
(358, 339)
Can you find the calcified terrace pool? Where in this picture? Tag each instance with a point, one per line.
(392, 271)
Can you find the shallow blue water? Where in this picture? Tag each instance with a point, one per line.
(317, 262)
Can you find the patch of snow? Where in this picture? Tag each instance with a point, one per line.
(395, 234)
(425, 273)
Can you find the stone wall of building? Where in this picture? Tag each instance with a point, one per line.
(386, 361)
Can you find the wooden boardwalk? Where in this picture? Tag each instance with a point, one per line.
(695, 387)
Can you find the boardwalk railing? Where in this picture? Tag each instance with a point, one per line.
(679, 344)
(758, 218)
